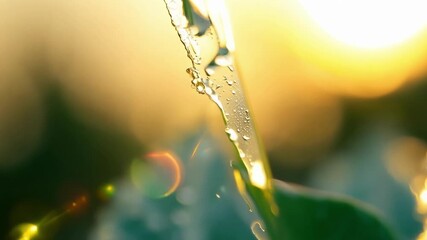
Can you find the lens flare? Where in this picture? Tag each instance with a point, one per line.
(26, 231)
(107, 191)
(158, 175)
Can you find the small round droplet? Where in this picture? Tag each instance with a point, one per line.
(233, 92)
(230, 83)
(210, 71)
(200, 88)
(193, 73)
(232, 135)
(246, 138)
(188, 70)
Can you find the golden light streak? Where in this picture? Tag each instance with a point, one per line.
(196, 148)
(29, 231)
(242, 189)
(74, 206)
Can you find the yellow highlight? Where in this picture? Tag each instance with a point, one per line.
(419, 188)
(423, 196)
(109, 189)
(29, 231)
(369, 24)
(196, 148)
(257, 175)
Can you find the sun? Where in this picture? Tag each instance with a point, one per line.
(369, 24)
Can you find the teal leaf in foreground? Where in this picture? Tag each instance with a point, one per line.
(309, 214)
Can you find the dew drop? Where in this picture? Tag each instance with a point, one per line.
(230, 83)
(231, 68)
(210, 71)
(200, 88)
(218, 196)
(232, 135)
(246, 138)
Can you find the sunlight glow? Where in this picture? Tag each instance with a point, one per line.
(369, 24)
(257, 175)
(423, 196)
(29, 231)
(218, 14)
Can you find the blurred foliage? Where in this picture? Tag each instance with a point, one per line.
(402, 111)
(72, 159)
(75, 159)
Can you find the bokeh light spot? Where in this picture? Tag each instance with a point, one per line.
(107, 191)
